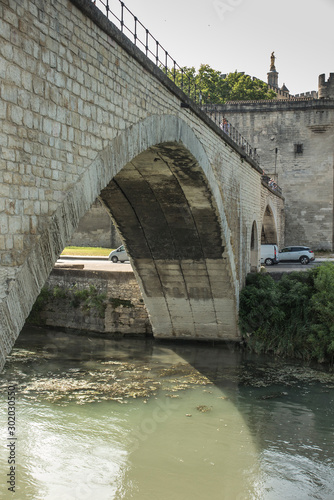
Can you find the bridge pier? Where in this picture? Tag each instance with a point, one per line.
(164, 210)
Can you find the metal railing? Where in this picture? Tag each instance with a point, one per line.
(271, 183)
(218, 117)
(117, 12)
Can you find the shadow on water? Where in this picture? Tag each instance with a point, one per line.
(267, 387)
(178, 434)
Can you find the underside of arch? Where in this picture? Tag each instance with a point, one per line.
(166, 214)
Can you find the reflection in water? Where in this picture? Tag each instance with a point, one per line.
(136, 419)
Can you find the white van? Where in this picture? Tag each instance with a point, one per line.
(269, 255)
(118, 255)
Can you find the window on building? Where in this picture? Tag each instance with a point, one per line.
(298, 149)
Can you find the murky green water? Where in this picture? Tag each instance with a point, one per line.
(106, 419)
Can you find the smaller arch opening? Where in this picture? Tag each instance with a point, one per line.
(269, 231)
(254, 249)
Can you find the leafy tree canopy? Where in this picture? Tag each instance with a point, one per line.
(217, 88)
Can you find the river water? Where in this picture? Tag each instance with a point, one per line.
(137, 419)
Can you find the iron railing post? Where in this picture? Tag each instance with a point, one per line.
(122, 16)
(146, 44)
(166, 62)
(135, 33)
(157, 53)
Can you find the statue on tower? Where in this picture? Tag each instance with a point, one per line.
(272, 62)
(273, 74)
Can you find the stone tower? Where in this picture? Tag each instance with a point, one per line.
(326, 89)
(273, 74)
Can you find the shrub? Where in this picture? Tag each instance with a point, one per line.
(322, 303)
(294, 317)
(258, 304)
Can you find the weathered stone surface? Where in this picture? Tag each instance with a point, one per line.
(295, 142)
(124, 311)
(95, 229)
(99, 119)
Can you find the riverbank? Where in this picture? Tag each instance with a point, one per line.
(102, 301)
(292, 317)
(289, 318)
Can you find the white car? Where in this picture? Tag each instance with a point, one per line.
(118, 255)
(269, 254)
(296, 254)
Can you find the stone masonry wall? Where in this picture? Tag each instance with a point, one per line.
(96, 229)
(125, 312)
(302, 133)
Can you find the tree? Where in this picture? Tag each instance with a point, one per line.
(244, 88)
(212, 84)
(215, 88)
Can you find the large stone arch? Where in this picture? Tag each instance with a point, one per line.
(209, 288)
(269, 233)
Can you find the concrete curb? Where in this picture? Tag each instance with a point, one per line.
(83, 257)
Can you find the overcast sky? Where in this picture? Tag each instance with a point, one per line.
(240, 35)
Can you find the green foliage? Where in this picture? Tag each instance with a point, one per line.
(60, 293)
(88, 299)
(213, 86)
(90, 251)
(294, 317)
(259, 296)
(216, 89)
(79, 296)
(116, 302)
(322, 303)
(244, 88)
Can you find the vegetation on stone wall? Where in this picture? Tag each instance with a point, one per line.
(293, 317)
(90, 300)
(116, 302)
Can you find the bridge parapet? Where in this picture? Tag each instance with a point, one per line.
(140, 36)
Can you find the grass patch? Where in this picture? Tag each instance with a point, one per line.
(87, 251)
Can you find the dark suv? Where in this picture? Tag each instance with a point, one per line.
(302, 254)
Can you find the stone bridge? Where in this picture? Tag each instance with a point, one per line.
(83, 114)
